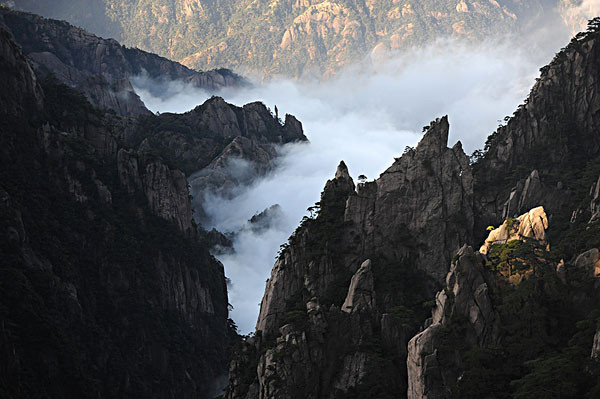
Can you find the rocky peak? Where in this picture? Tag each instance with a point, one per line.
(422, 203)
(414, 218)
(435, 140)
(553, 133)
(342, 171)
(418, 210)
(295, 274)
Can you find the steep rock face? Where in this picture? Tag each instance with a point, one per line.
(212, 134)
(341, 288)
(467, 295)
(218, 145)
(105, 289)
(20, 80)
(420, 207)
(288, 275)
(475, 326)
(504, 318)
(361, 293)
(595, 202)
(552, 134)
(589, 262)
(166, 190)
(221, 145)
(100, 68)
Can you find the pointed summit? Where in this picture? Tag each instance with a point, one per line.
(436, 139)
(342, 182)
(342, 171)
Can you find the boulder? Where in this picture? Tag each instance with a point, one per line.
(532, 224)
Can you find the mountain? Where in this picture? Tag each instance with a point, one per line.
(295, 37)
(204, 142)
(107, 285)
(106, 288)
(102, 69)
(383, 293)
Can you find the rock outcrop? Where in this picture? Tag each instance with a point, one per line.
(422, 206)
(218, 145)
(474, 314)
(466, 295)
(100, 68)
(361, 293)
(589, 261)
(503, 317)
(595, 202)
(532, 224)
(340, 290)
(553, 133)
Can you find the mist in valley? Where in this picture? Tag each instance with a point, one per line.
(364, 116)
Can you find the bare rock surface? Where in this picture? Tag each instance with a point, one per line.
(466, 294)
(590, 262)
(532, 224)
(397, 225)
(361, 295)
(596, 345)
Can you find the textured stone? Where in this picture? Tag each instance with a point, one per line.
(589, 261)
(21, 93)
(105, 286)
(470, 298)
(596, 346)
(421, 205)
(417, 210)
(532, 224)
(595, 202)
(553, 130)
(361, 294)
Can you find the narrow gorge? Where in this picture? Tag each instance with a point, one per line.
(448, 276)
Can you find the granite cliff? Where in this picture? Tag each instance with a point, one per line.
(206, 143)
(107, 286)
(106, 289)
(348, 290)
(345, 311)
(298, 37)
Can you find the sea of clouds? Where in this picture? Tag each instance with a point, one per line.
(366, 117)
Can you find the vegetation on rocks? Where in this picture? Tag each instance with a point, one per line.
(290, 37)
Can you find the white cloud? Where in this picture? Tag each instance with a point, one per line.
(365, 118)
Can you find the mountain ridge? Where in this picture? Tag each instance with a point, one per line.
(302, 37)
(345, 317)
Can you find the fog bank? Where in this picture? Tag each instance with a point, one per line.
(365, 118)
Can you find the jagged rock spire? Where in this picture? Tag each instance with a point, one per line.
(342, 171)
